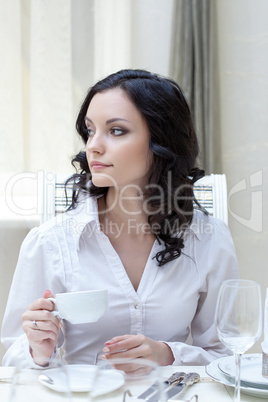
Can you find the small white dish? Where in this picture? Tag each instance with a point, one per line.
(214, 372)
(80, 379)
(251, 370)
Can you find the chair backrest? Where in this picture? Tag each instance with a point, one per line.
(210, 191)
(54, 195)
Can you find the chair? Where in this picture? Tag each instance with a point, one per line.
(54, 194)
(210, 191)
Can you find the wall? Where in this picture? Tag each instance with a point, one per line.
(151, 35)
(243, 127)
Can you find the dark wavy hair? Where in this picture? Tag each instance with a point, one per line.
(174, 144)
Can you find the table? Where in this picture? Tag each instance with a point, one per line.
(207, 389)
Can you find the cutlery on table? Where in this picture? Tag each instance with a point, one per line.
(46, 378)
(174, 379)
(188, 379)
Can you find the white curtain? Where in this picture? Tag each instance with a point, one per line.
(36, 81)
(51, 52)
(51, 134)
(11, 121)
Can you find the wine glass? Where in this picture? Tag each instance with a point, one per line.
(128, 379)
(36, 383)
(238, 319)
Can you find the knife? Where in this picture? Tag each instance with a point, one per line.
(189, 379)
(174, 379)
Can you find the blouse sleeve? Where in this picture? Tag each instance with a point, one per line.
(39, 268)
(216, 261)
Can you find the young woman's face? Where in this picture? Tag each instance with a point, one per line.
(117, 149)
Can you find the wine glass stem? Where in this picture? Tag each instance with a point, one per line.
(237, 377)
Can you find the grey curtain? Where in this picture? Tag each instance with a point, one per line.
(192, 66)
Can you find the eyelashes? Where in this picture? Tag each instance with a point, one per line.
(117, 132)
(88, 132)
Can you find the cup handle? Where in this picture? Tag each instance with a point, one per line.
(54, 312)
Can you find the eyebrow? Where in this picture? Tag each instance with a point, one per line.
(110, 120)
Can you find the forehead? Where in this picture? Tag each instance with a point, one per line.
(113, 101)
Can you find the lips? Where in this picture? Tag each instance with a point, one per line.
(98, 165)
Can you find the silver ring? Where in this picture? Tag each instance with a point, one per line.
(35, 325)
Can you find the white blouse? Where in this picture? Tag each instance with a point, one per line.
(71, 253)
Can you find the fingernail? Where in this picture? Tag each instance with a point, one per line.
(105, 350)
(46, 292)
(103, 357)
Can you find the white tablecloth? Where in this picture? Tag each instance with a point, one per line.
(207, 390)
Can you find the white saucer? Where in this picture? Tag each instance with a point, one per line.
(80, 379)
(213, 371)
(251, 370)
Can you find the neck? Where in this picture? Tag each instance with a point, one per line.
(124, 211)
(126, 204)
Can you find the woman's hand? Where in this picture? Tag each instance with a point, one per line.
(42, 328)
(138, 346)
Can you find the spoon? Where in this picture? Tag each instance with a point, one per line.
(46, 378)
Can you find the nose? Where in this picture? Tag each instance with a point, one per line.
(96, 143)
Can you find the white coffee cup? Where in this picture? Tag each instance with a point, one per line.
(80, 307)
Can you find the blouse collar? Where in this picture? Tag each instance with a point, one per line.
(87, 212)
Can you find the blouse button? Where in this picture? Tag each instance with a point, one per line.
(137, 306)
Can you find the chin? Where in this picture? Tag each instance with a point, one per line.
(103, 181)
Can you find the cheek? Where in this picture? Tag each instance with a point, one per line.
(87, 155)
(136, 159)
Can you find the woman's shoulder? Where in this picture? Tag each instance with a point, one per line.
(69, 222)
(214, 238)
(207, 226)
(44, 234)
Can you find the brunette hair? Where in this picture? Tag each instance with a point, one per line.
(174, 144)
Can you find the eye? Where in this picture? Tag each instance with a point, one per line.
(87, 130)
(116, 131)
(90, 132)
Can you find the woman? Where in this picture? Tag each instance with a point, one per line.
(131, 229)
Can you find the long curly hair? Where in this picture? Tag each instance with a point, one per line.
(174, 144)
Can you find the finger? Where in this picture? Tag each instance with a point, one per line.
(126, 354)
(47, 294)
(124, 343)
(141, 351)
(117, 339)
(44, 326)
(41, 315)
(42, 304)
(40, 326)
